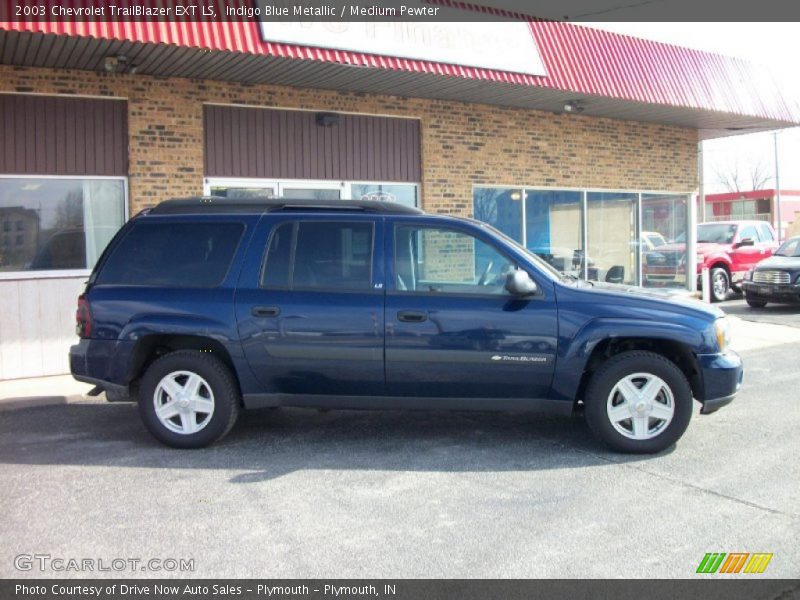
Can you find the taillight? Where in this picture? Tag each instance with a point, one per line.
(83, 318)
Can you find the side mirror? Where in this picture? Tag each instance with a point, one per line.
(519, 283)
(744, 242)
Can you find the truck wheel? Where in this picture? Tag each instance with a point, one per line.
(754, 302)
(638, 402)
(188, 399)
(720, 284)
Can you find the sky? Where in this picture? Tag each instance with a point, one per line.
(776, 46)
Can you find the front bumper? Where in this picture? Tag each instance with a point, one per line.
(721, 377)
(772, 292)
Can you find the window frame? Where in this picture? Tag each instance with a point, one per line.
(296, 224)
(66, 273)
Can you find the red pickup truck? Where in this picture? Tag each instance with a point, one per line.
(727, 248)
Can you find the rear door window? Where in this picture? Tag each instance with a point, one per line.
(317, 255)
(171, 254)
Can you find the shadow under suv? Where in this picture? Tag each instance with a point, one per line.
(201, 307)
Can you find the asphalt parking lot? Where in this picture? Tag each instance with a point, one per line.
(777, 314)
(298, 493)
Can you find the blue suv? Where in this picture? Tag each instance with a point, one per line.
(201, 307)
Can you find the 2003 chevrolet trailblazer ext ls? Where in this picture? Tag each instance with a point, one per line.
(204, 306)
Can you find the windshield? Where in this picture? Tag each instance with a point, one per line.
(541, 264)
(716, 233)
(713, 233)
(789, 248)
(656, 240)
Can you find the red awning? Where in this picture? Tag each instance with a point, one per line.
(578, 60)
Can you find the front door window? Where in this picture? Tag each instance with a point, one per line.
(447, 261)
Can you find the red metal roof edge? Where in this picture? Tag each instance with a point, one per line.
(577, 59)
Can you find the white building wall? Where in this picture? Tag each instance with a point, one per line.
(37, 325)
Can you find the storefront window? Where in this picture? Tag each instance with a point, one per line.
(58, 224)
(611, 231)
(663, 234)
(608, 249)
(501, 208)
(553, 228)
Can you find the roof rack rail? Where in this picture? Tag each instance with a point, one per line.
(218, 204)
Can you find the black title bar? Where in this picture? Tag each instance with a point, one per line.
(431, 11)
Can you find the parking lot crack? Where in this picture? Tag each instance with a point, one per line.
(698, 488)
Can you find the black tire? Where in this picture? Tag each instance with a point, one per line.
(613, 371)
(754, 302)
(218, 379)
(720, 284)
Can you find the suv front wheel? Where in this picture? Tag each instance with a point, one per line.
(638, 402)
(188, 399)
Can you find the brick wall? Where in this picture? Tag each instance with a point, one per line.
(462, 144)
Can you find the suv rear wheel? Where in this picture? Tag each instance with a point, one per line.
(188, 399)
(638, 402)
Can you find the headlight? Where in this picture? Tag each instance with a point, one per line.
(749, 275)
(723, 333)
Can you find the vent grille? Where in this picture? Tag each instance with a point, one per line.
(771, 277)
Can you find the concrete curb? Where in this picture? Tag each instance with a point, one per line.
(33, 402)
(41, 391)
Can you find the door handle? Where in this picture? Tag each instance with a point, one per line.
(265, 311)
(411, 316)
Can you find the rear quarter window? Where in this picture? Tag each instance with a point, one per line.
(171, 254)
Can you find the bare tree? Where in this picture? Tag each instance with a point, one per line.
(759, 176)
(733, 179)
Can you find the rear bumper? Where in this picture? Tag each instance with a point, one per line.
(90, 361)
(721, 376)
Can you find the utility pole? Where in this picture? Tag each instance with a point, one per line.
(777, 190)
(701, 171)
(691, 234)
